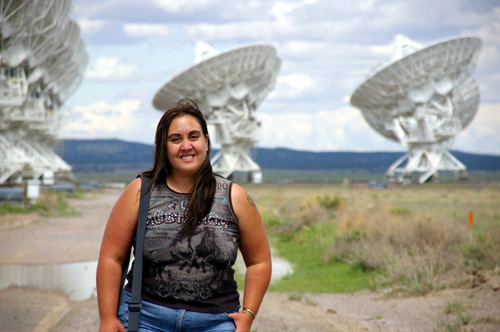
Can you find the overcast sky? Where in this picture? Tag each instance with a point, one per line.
(327, 48)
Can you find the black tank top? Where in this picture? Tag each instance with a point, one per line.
(192, 272)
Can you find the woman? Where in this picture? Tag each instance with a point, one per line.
(196, 222)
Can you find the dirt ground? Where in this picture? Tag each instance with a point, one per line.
(34, 240)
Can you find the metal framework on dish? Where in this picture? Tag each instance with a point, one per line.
(228, 87)
(43, 59)
(423, 98)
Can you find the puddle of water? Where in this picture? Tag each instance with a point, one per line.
(75, 279)
(281, 268)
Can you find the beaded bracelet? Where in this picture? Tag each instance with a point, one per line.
(250, 311)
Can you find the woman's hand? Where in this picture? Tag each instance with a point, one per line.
(242, 320)
(111, 325)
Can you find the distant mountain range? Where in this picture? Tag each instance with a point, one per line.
(114, 156)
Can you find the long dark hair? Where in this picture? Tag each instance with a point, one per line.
(203, 187)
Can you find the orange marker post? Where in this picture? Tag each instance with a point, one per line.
(471, 218)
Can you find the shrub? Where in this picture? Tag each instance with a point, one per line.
(415, 253)
(482, 251)
(401, 211)
(329, 203)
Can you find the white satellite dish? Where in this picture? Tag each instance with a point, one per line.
(43, 59)
(423, 98)
(228, 87)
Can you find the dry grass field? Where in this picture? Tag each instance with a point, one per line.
(422, 237)
(411, 241)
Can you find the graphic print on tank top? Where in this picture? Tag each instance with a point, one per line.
(194, 267)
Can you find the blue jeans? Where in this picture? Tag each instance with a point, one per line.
(157, 318)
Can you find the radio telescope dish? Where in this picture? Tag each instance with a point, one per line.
(43, 60)
(423, 98)
(228, 87)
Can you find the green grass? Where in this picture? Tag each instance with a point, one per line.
(271, 175)
(8, 208)
(304, 248)
(49, 204)
(312, 275)
(313, 272)
(125, 177)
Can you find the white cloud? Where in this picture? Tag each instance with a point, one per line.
(146, 30)
(481, 136)
(102, 117)
(458, 15)
(184, 6)
(294, 85)
(321, 130)
(229, 31)
(282, 29)
(88, 26)
(280, 9)
(278, 130)
(112, 68)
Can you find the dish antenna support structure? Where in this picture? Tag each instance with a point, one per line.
(423, 98)
(43, 59)
(228, 87)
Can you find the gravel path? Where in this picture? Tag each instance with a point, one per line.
(33, 240)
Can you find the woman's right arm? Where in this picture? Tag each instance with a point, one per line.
(116, 245)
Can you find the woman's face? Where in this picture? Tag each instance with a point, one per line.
(187, 147)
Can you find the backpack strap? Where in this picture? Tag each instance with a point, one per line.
(134, 306)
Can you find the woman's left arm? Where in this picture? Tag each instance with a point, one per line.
(256, 253)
